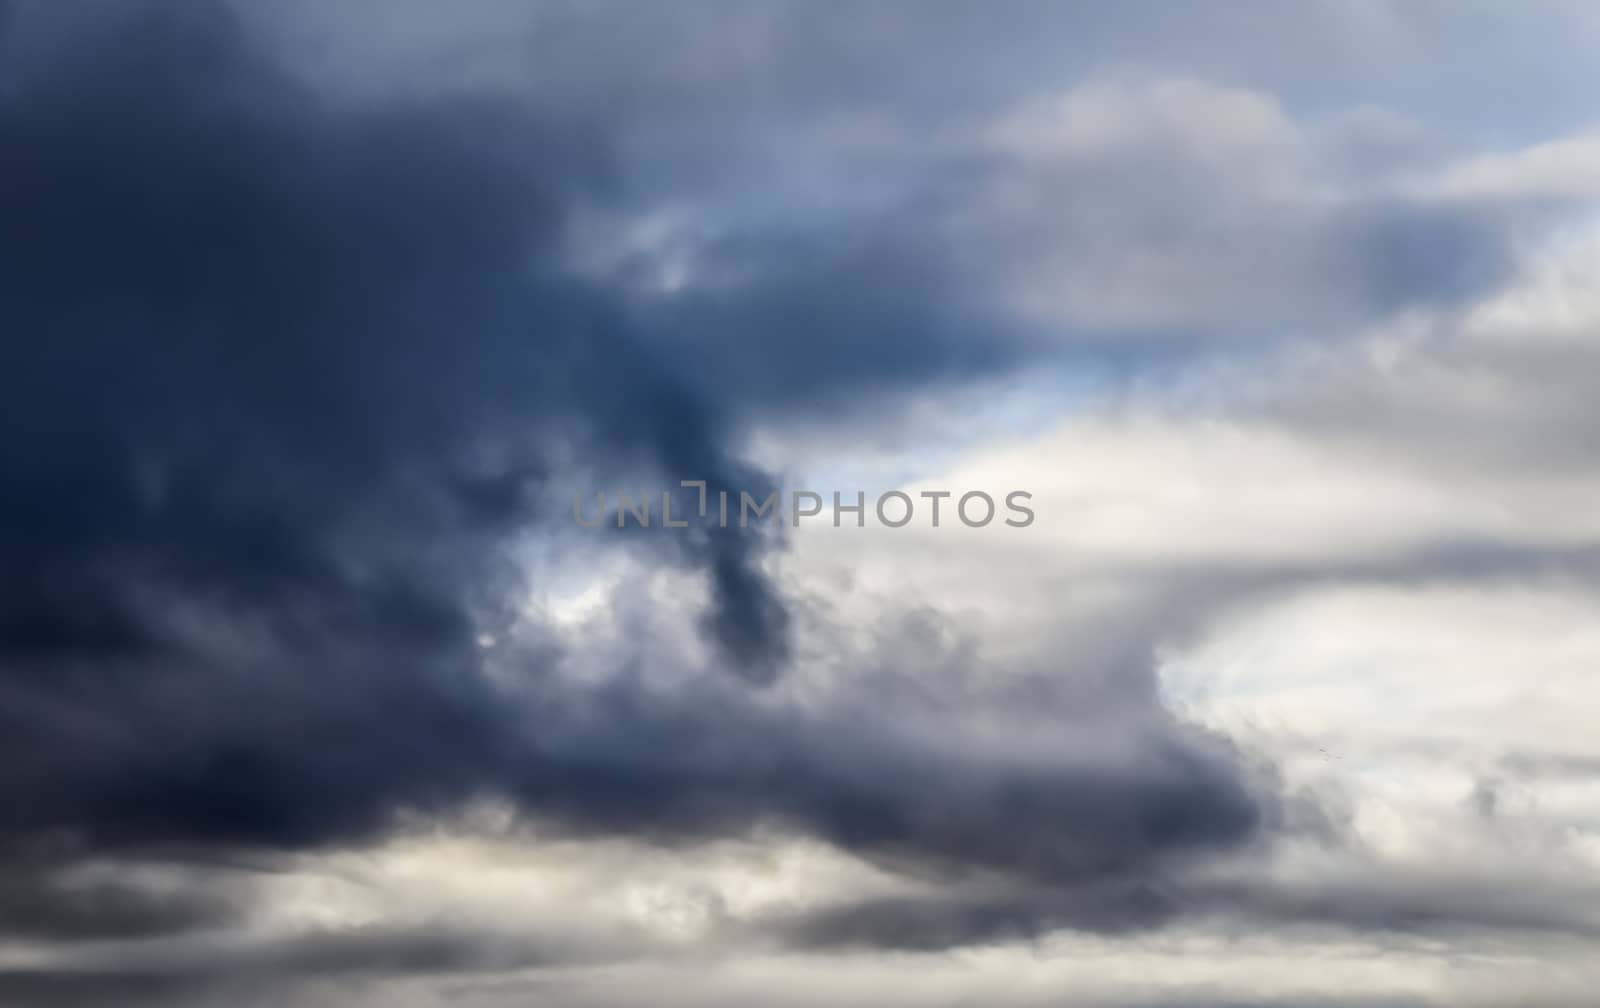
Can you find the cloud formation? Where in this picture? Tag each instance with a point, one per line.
(313, 319)
(288, 375)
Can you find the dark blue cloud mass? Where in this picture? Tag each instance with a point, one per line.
(283, 377)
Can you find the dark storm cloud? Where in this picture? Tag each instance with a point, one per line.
(249, 334)
(283, 375)
(900, 778)
(278, 378)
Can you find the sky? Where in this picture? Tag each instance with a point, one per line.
(338, 338)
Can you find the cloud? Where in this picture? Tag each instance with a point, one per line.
(289, 377)
(308, 320)
(50, 907)
(204, 972)
(314, 320)
(1179, 212)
